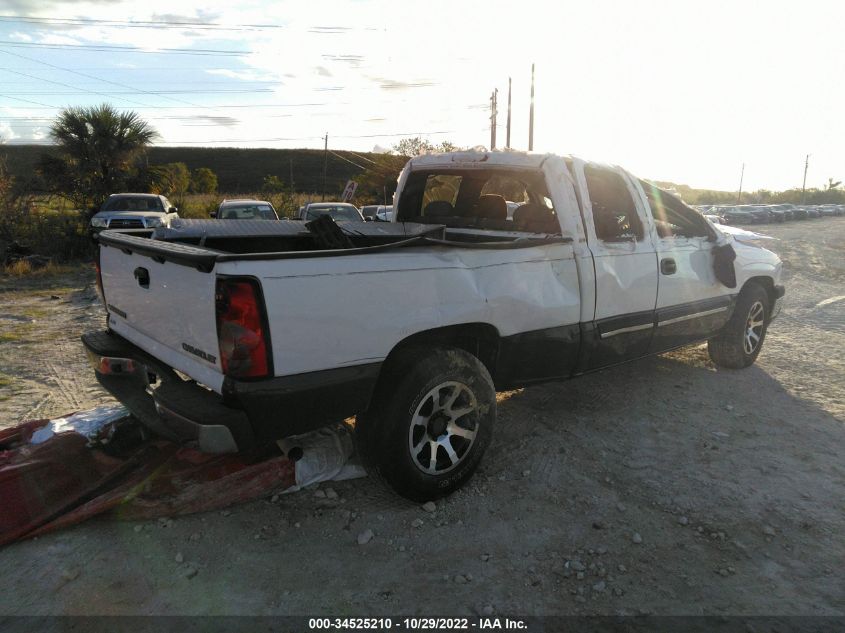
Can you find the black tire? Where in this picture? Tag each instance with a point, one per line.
(421, 406)
(735, 347)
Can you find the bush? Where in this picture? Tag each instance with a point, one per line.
(60, 235)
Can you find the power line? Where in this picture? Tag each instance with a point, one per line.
(216, 26)
(83, 91)
(59, 83)
(128, 49)
(347, 160)
(107, 81)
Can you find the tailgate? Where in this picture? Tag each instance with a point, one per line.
(165, 308)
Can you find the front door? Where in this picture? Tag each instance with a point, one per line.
(691, 303)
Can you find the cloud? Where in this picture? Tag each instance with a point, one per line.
(394, 84)
(34, 7)
(21, 37)
(323, 71)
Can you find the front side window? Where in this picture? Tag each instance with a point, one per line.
(614, 212)
(672, 217)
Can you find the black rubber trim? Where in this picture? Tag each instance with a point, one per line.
(694, 307)
(202, 259)
(622, 321)
(537, 356)
(290, 405)
(257, 413)
(780, 291)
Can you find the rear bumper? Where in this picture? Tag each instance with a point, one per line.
(248, 415)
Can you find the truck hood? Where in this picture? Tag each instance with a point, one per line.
(129, 214)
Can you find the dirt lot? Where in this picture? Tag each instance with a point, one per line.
(663, 486)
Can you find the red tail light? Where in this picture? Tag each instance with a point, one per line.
(241, 329)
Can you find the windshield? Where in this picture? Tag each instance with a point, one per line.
(337, 212)
(248, 212)
(137, 203)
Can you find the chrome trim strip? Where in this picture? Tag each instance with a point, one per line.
(623, 330)
(694, 315)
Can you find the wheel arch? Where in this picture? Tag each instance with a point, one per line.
(479, 339)
(765, 282)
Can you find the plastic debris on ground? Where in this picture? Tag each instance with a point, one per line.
(86, 423)
(56, 473)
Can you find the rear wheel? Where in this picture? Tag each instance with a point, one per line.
(740, 341)
(428, 428)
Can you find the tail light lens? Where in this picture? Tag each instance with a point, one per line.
(241, 328)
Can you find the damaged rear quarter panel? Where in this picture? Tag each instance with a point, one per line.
(342, 311)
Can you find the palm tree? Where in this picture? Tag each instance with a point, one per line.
(98, 148)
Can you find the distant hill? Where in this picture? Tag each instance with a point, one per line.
(239, 170)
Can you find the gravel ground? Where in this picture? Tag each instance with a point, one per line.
(664, 486)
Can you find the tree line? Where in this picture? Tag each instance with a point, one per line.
(99, 151)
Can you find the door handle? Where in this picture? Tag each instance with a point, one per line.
(143, 277)
(668, 266)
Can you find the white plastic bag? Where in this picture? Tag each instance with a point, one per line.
(328, 454)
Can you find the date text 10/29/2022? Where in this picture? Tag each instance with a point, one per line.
(416, 624)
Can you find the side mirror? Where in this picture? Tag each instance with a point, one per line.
(212, 214)
(368, 219)
(173, 210)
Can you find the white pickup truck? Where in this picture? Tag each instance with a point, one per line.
(234, 335)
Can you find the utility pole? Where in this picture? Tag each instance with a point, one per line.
(508, 143)
(531, 115)
(741, 176)
(493, 113)
(291, 175)
(325, 164)
(804, 184)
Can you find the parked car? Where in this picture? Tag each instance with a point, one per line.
(827, 211)
(245, 210)
(760, 214)
(385, 213)
(737, 215)
(800, 213)
(369, 211)
(338, 211)
(414, 325)
(813, 212)
(134, 211)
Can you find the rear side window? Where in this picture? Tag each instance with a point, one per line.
(614, 212)
(441, 188)
(509, 188)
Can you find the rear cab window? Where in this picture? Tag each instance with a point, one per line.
(495, 199)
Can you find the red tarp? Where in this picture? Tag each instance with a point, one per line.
(63, 481)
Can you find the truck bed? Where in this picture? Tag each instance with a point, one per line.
(202, 243)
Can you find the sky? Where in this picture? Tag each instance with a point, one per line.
(676, 90)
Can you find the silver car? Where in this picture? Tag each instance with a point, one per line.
(134, 211)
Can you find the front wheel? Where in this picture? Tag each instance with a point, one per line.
(427, 429)
(740, 341)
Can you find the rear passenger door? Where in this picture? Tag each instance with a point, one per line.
(616, 224)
